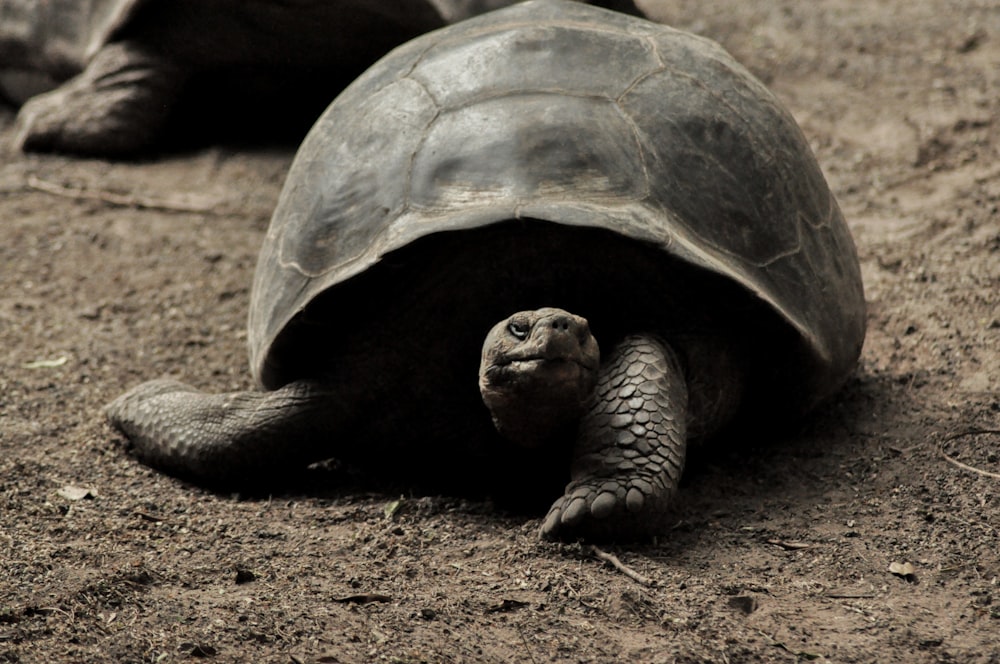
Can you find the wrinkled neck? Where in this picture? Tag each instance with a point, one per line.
(528, 413)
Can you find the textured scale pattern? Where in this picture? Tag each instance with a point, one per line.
(630, 452)
(224, 439)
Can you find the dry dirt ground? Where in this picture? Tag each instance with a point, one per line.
(783, 549)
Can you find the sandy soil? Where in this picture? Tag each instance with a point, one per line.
(783, 550)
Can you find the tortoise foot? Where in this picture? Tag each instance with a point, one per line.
(144, 413)
(231, 440)
(117, 105)
(630, 449)
(602, 509)
(129, 404)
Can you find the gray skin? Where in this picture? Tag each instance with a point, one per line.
(541, 375)
(124, 64)
(614, 220)
(542, 379)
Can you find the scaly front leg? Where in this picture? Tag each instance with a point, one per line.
(233, 440)
(630, 449)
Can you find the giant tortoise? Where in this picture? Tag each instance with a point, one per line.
(248, 62)
(547, 155)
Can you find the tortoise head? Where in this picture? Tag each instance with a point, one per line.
(537, 373)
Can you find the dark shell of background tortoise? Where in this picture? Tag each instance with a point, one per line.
(258, 67)
(564, 113)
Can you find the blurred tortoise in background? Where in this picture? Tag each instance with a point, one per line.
(245, 63)
(546, 155)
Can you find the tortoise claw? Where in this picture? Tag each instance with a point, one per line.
(603, 509)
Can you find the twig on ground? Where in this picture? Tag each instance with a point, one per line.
(122, 200)
(363, 598)
(836, 595)
(618, 565)
(527, 646)
(963, 466)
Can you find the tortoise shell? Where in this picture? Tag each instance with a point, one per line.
(559, 112)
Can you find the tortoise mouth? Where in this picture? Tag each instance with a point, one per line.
(539, 374)
(539, 361)
(533, 398)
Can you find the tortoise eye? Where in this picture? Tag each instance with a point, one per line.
(518, 329)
